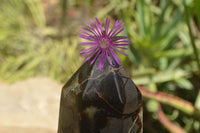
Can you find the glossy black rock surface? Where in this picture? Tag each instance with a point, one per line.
(94, 101)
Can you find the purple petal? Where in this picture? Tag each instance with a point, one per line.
(117, 32)
(115, 57)
(97, 29)
(114, 26)
(107, 58)
(85, 33)
(99, 24)
(119, 38)
(120, 47)
(85, 37)
(122, 41)
(91, 55)
(107, 25)
(89, 31)
(117, 29)
(119, 22)
(92, 29)
(101, 62)
(120, 51)
(86, 50)
(95, 57)
(107, 54)
(121, 44)
(88, 43)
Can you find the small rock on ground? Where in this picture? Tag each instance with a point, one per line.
(30, 106)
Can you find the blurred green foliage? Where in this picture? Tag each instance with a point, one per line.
(29, 47)
(38, 38)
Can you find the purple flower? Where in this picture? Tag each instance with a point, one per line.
(103, 41)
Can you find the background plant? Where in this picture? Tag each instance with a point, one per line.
(39, 38)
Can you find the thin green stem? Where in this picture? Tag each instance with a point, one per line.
(191, 35)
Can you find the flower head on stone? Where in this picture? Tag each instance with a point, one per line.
(104, 41)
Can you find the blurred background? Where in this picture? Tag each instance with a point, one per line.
(39, 53)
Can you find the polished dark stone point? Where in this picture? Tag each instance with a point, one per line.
(106, 101)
